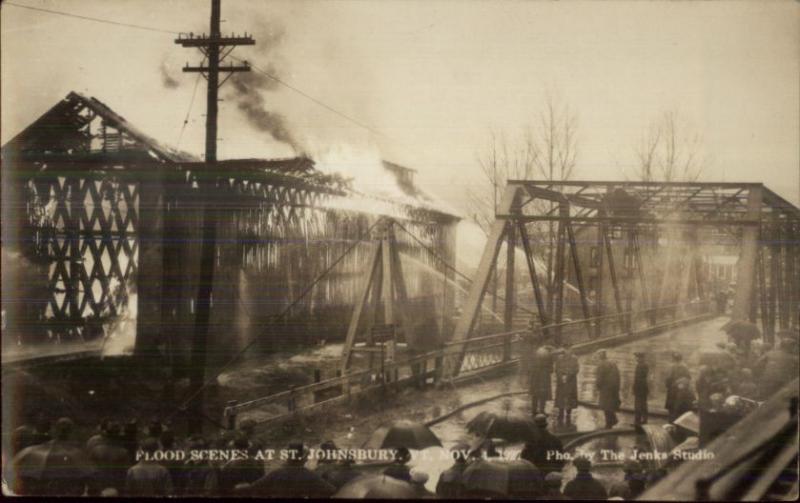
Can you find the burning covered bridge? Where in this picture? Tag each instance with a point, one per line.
(102, 232)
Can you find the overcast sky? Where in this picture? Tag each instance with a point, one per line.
(433, 77)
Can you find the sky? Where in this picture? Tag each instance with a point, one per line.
(431, 79)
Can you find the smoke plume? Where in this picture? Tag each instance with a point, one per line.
(246, 91)
(167, 79)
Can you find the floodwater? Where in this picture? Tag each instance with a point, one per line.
(351, 430)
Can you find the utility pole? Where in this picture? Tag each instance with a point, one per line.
(211, 46)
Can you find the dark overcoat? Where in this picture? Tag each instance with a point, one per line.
(607, 382)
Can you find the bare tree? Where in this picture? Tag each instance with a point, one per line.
(556, 150)
(500, 161)
(668, 151)
(546, 151)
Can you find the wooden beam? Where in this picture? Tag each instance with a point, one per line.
(401, 305)
(386, 276)
(355, 319)
(388, 286)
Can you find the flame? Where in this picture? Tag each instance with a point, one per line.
(120, 334)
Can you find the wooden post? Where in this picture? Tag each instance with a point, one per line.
(73, 226)
(774, 284)
(231, 415)
(152, 308)
(388, 289)
(783, 277)
(791, 275)
(413, 343)
(377, 295)
(448, 271)
(355, 319)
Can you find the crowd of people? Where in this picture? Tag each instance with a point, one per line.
(123, 459)
(742, 372)
(126, 460)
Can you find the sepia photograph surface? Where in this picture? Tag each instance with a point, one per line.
(443, 249)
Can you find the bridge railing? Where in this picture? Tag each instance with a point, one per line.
(481, 355)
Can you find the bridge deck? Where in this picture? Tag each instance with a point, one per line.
(425, 405)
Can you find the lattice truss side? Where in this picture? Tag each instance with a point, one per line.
(85, 230)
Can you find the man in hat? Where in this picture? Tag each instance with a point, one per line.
(635, 477)
(552, 486)
(293, 479)
(640, 389)
(607, 381)
(566, 385)
(244, 470)
(584, 486)
(676, 371)
(198, 476)
(342, 473)
(777, 367)
(418, 480)
(148, 478)
(544, 448)
(539, 384)
(248, 427)
(399, 469)
(110, 458)
(450, 485)
(327, 459)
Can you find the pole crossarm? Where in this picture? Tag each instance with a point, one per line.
(205, 69)
(204, 41)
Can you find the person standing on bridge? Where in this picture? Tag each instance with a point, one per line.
(640, 389)
(676, 371)
(539, 383)
(567, 368)
(607, 382)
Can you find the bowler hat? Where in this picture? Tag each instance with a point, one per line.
(582, 464)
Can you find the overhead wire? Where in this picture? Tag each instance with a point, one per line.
(277, 79)
(189, 111)
(311, 98)
(95, 19)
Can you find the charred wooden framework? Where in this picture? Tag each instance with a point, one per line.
(386, 282)
(761, 223)
(104, 212)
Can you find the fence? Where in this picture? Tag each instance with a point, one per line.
(481, 355)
